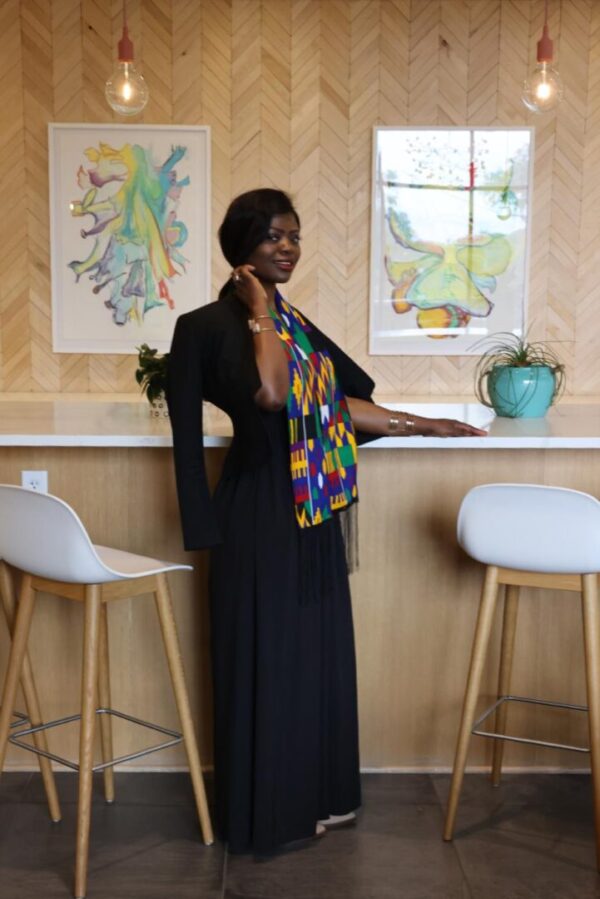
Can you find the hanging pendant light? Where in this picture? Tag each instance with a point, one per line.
(543, 90)
(126, 91)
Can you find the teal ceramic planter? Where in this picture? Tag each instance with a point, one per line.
(521, 392)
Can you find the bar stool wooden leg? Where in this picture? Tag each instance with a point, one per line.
(39, 739)
(509, 628)
(89, 679)
(169, 632)
(32, 703)
(591, 637)
(15, 662)
(481, 639)
(104, 701)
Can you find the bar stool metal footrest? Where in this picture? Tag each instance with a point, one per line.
(21, 719)
(527, 699)
(176, 737)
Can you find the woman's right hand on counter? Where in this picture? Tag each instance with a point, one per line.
(385, 422)
(446, 427)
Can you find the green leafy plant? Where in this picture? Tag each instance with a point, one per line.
(151, 373)
(507, 350)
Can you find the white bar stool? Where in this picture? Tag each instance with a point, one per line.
(43, 538)
(534, 536)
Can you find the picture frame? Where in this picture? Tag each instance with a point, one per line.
(129, 233)
(450, 237)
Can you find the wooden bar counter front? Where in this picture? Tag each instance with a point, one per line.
(415, 596)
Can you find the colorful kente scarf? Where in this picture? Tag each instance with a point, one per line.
(322, 443)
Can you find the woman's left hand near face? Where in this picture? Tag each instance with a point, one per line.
(448, 427)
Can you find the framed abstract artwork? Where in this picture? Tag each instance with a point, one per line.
(450, 235)
(129, 233)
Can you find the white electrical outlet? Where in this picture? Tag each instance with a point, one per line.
(35, 480)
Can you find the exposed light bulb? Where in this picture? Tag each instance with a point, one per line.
(543, 90)
(126, 91)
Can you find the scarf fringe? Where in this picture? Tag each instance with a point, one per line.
(348, 519)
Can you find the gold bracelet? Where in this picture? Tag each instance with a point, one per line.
(255, 327)
(394, 424)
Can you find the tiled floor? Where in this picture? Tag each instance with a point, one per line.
(531, 837)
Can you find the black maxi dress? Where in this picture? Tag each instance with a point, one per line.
(284, 679)
(286, 732)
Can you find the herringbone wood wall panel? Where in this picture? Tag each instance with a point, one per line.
(291, 90)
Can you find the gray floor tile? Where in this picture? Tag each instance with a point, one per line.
(171, 788)
(533, 838)
(66, 785)
(154, 853)
(403, 858)
(552, 790)
(13, 785)
(517, 859)
(131, 788)
(391, 790)
(559, 804)
(28, 841)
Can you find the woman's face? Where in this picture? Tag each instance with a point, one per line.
(275, 258)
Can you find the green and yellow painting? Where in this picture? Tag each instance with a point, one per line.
(453, 215)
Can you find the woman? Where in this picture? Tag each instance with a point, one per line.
(286, 735)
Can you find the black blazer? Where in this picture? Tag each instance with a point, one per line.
(212, 358)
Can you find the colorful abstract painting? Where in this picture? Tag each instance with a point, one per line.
(130, 233)
(450, 232)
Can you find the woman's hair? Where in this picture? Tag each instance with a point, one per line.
(247, 222)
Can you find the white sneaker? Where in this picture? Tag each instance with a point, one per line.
(334, 821)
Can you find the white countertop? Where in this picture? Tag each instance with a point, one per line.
(67, 422)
